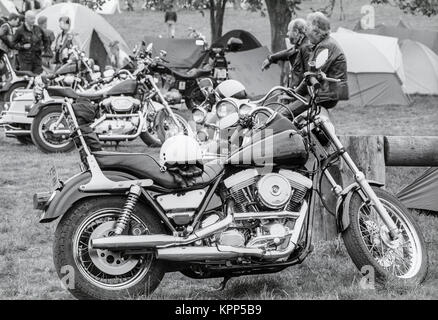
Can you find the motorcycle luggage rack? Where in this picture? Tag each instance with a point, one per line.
(99, 182)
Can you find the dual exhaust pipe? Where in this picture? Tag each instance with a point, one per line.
(176, 248)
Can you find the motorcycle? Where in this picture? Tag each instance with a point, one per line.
(127, 110)
(78, 72)
(126, 220)
(13, 80)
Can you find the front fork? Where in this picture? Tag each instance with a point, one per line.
(359, 177)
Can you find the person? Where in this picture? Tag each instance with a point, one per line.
(64, 41)
(7, 33)
(47, 55)
(170, 19)
(117, 58)
(298, 55)
(330, 93)
(31, 41)
(130, 4)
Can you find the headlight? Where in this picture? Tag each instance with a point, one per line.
(225, 108)
(199, 116)
(245, 109)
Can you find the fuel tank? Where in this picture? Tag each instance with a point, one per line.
(67, 68)
(126, 87)
(277, 144)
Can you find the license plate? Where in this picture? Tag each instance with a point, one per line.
(182, 85)
(220, 73)
(53, 178)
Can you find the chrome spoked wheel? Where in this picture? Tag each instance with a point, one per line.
(401, 257)
(104, 268)
(46, 128)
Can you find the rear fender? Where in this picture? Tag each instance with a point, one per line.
(33, 112)
(342, 217)
(69, 194)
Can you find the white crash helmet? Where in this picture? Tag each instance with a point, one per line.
(180, 149)
(231, 89)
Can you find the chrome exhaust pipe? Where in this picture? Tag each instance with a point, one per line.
(160, 240)
(206, 253)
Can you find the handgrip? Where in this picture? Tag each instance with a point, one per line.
(314, 83)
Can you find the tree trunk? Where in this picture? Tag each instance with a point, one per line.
(217, 12)
(279, 18)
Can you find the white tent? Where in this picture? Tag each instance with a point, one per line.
(421, 68)
(6, 7)
(375, 68)
(110, 7)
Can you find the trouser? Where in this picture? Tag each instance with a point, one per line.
(171, 29)
(34, 65)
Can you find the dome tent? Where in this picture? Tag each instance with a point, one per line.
(92, 32)
(7, 7)
(375, 68)
(110, 7)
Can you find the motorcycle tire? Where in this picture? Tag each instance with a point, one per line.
(160, 122)
(364, 238)
(38, 137)
(8, 94)
(103, 274)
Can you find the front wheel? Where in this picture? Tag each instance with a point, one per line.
(369, 243)
(42, 131)
(103, 274)
(11, 93)
(166, 126)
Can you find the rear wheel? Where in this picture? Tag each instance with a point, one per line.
(368, 241)
(42, 131)
(105, 274)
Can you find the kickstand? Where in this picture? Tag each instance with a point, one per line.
(223, 284)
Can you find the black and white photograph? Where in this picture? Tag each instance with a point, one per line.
(220, 154)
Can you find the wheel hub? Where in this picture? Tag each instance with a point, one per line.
(110, 262)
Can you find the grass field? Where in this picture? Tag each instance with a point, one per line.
(26, 266)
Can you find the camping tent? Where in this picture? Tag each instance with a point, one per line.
(422, 192)
(375, 68)
(421, 68)
(249, 41)
(110, 7)
(427, 37)
(181, 53)
(245, 67)
(6, 7)
(92, 31)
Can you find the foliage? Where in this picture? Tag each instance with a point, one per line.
(425, 7)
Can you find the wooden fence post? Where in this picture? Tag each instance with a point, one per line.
(368, 154)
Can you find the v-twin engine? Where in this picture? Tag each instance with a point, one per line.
(118, 127)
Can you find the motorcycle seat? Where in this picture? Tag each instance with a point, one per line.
(196, 73)
(23, 73)
(144, 166)
(70, 93)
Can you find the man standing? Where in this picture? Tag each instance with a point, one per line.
(64, 41)
(47, 54)
(31, 41)
(7, 34)
(330, 93)
(170, 19)
(298, 55)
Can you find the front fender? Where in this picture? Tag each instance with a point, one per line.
(342, 217)
(69, 194)
(37, 107)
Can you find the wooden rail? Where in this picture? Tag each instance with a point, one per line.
(372, 154)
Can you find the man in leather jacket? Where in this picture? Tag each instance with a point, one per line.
(318, 32)
(298, 55)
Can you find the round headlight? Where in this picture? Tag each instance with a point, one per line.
(225, 108)
(245, 109)
(199, 116)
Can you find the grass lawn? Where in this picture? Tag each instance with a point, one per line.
(26, 266)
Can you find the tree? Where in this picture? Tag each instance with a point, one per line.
(217, 13)
(425, 7)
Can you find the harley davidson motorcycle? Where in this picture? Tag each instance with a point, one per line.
(129, 109)
(126, 220)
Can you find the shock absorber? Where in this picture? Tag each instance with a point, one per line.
(131, 201)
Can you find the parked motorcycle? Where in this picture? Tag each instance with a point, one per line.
(129, 109)
(12, 80)
(126, 220)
